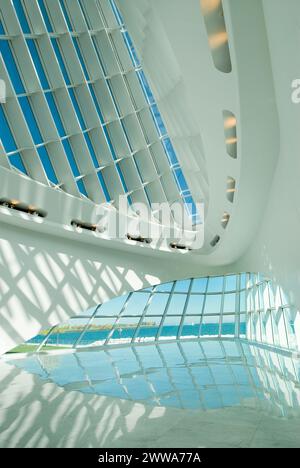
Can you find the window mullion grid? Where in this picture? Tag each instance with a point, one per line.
(148, 146)
(85, 372)
(136, 332)
(82, 64)
(75, 34)
(210, 372)
(259, 312)
(37, 171)
(117, 374)
(84, 14)
(194, 382)
(147, 141)
(98, 53)
(102, 14)
(145, 374)
(43, 366)
(45, 340)
(121, 313)
(116, 13)
(115, 50)
(282, 307)
(285, 327)
(135, 106)
(89, 322)
(203, 307)
(271, 311)
(222, 306)
(271, 374)
(44, 143)
(229, 367)
(134, 113)
(94, 171)
(185, 309)
(165, 312)
(169, 373)
(266, 305)
(114, 100)
(140, 123)
(248, 307)
(250, 376)
(238, 307)
(253, 310)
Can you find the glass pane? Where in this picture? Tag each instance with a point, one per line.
(210, 326)
(243, 325)
(88, 312)
(243, 280)
(176, 304)
(182, 286)
(212, 349)
(148, 329)
(170, 327)
(215, 284)
(164, 287)
(290, 317)
(190, 327)
(125, 329)
(213, 304)
(199, 285)
(171, 354)
(195, 305)
(112, 307)
(230, 283)
(96, 333)
(136, 304)
(158, 304)
(229, 303)
(228, 325)
(66, 334)
(243, 301)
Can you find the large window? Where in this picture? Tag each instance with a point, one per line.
(233, 306)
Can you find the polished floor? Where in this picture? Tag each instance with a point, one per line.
(190, 394)
(205, 374)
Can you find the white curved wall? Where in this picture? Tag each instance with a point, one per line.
(275, 247)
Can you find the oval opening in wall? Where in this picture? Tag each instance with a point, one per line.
(231, 189)
(230, 133)
(213, 15)
(225, 220)
(215, 241)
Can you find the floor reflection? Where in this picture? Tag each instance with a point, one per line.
(205, 374)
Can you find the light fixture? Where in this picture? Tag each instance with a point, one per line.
(208, 6)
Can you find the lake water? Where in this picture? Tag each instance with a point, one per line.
(92, 336)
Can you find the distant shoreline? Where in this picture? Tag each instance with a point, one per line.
(75, 329)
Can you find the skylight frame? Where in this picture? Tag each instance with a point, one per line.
(57, 73)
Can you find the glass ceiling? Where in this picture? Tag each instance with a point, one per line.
(80, 113)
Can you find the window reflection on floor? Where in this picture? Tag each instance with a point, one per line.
(200, 374)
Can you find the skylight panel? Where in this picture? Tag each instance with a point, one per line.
(113, 87)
